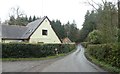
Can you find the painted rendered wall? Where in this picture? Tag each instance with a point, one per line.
(0, 40)
(8, 41)
(38, 37)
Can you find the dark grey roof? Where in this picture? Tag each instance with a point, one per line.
(12, 31)
(20, 32)
(32, 27)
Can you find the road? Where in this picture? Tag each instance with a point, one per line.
(75, 62)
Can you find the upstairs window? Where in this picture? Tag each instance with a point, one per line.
(44, 32)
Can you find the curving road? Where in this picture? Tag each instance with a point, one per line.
(75, 62)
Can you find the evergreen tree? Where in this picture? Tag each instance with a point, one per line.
(57, 26)
(118, 21)
(34, 18)
(104, 20)
(107, 22)
(11, 21)
(88, 26)
(30, 19)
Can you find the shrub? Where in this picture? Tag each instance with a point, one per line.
(108, 53)
(94, 37)
(118, 35)
(85, 44)
(22, 50)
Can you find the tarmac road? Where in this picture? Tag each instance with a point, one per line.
(75, 62)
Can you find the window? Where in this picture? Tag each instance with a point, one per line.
(44, 32)
(29, 31)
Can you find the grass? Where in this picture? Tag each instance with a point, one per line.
(33, 59)
(102, 64)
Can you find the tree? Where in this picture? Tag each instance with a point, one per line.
(73, 32)
(88, 26)
(34, 18)
(69, 30)
(30, 19)
(107, 22)
(26, 18)
(118, 21)
(16, 12)
(94, 37)
(12, 21)
(17, 17)
(103, 19)
(57, 26)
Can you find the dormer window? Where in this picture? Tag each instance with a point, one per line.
(29, 31)
(44, 32)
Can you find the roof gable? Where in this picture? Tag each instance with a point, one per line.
(33, 26)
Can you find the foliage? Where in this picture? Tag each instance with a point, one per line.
(118, 35)
(85, 44)
(102, 64)
(73, 33)
(95, 37)
(59, 29)
(88, 26)
(104, 35)
(107, 22)
(118, 21)
(103, 19)
(21, 21)
(69, 30)
(109, 53)
(22, 50)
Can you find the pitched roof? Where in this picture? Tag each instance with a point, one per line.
(32, 27)
(66, 40)
(20, 32)
(12, 31)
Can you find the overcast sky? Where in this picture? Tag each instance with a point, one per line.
(64, 10)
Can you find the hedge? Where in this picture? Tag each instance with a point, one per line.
(85, 44)
(109, 53)
(22, 50)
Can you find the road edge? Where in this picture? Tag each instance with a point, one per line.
(89, 58)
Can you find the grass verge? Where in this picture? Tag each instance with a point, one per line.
(35, 59)
(102, 64)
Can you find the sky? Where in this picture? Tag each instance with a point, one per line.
(63, 10)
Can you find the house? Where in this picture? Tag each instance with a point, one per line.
(66, 40)
(38, 31)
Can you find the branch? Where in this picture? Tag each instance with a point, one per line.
(103, 2)
(96, 3)
(92, 5)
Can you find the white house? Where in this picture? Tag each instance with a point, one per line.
(38, 31)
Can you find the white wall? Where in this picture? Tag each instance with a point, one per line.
(8, 41)
(38, 37)
(0, 40)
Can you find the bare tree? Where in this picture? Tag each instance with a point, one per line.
(16, 12)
